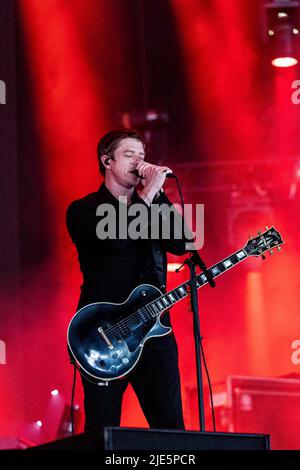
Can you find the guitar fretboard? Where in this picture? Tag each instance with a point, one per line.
(165, 301)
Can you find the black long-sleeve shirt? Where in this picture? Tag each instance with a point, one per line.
(113, 267)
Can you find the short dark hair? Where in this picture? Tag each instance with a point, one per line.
(110, 141)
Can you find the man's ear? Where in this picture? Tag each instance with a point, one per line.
(105, 159)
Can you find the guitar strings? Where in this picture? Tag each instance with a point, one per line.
(133, 317)
(130, 320)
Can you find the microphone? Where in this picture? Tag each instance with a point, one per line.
(168, 175)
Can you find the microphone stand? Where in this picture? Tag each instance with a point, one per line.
(192, 262)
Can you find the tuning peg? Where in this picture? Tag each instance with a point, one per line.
(267, 228)
(271, 252)
(279, 248)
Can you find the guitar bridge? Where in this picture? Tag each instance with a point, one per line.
(105, 338)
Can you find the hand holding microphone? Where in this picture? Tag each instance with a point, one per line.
(168, 175)
(152, 178)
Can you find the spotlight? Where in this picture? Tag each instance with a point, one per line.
(39, 423)
(54, 392)
(173, 266)
(282, 18)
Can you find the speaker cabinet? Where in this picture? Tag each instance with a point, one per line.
(268, 406)
(155, 439)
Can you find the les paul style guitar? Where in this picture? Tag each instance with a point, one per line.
(107, 339)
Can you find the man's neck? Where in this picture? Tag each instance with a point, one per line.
(118, 190)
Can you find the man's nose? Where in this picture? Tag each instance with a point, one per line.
(137, 159)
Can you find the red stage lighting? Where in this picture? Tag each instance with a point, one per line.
(284, 61)
(283, 31)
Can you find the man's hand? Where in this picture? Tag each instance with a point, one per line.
(153, 179)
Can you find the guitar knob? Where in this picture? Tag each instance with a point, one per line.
(125, 360)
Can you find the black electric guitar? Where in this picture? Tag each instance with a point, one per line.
(107, 339)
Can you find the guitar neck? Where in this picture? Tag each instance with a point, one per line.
(165, 301)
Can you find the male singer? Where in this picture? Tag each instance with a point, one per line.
(112, 268)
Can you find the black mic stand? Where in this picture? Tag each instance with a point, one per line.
(192, 262)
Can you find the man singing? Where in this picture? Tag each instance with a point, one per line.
(113, 267)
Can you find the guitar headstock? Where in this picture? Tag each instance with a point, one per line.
(263, 242)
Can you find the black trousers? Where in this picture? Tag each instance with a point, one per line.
(156, 382)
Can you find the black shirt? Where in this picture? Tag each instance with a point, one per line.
(111, 268)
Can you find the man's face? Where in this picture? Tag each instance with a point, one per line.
(127, 155)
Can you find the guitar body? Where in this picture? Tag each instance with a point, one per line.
(107, 339)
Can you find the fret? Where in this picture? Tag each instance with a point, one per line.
(215, 271)
(234, 259)
(227, 263)
(178, 293)
(182, 290)
(151, 310)
(155, 308)
(165, 301)
(158, 305)
(171, 297)
(203, 278)
(175, 295)
(221, 267)
(241, 255)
